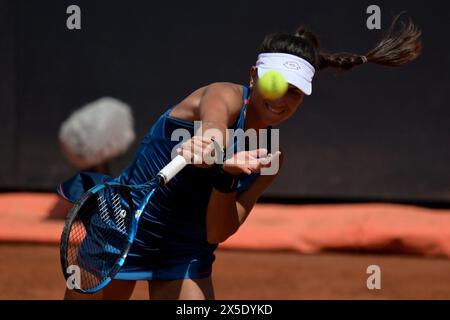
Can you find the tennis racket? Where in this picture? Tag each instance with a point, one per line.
(101, 227)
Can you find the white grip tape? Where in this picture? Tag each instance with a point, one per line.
(172, 168)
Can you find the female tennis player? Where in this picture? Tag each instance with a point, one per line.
(207, 203)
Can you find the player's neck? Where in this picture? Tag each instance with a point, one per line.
(252, 119)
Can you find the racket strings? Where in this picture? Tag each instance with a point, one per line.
(119, 213)
(99, 235)
(88, 274)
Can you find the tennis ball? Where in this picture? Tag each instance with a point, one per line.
(272, 85)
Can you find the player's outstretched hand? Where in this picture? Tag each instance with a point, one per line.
(249, 162)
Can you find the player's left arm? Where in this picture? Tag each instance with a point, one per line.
(227, 212)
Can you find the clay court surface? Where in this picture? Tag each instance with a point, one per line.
(33, 272)
(281, 251)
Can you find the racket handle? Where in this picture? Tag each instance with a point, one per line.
(171, 169)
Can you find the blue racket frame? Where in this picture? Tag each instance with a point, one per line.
(161, 179)
(131, 235)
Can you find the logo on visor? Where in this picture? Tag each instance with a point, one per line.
(292, 65)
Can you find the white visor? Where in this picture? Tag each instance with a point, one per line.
(296, 71)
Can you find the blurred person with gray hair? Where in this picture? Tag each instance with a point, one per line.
(97, 133)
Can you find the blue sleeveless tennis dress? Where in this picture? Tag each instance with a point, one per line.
(171, 241)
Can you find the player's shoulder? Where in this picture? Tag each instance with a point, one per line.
(232, 92)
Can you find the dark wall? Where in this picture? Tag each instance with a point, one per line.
(8, 107)
(371, 133)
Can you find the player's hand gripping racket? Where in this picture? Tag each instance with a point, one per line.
(101, 227)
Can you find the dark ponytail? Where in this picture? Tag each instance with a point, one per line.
(399, 46)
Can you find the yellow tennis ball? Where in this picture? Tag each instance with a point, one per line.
(272, 85)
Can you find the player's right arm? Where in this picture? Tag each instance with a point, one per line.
(218, 108)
